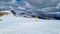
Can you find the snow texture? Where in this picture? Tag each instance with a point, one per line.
(20, 25)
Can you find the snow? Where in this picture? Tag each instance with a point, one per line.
(20, 25)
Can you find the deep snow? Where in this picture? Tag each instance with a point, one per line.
(20, 25)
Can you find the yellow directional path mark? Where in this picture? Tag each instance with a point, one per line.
(36, 18)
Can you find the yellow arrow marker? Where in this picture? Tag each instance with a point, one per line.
(36, 18)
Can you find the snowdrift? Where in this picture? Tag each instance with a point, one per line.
(20, 25)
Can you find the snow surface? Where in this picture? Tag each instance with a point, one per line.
(20, 25)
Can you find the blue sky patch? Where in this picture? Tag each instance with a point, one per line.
(18, 0)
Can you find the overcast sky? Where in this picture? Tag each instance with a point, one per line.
(11, 0)
(39, 3)
(43, 3)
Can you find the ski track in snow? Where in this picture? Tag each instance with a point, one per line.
(21, 25)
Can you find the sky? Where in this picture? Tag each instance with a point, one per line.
(18, 0)
(11, 0)
(43, 3)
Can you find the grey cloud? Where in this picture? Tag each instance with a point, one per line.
(43, 3)
(5, 0)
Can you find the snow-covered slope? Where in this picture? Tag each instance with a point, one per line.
(20, 25)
